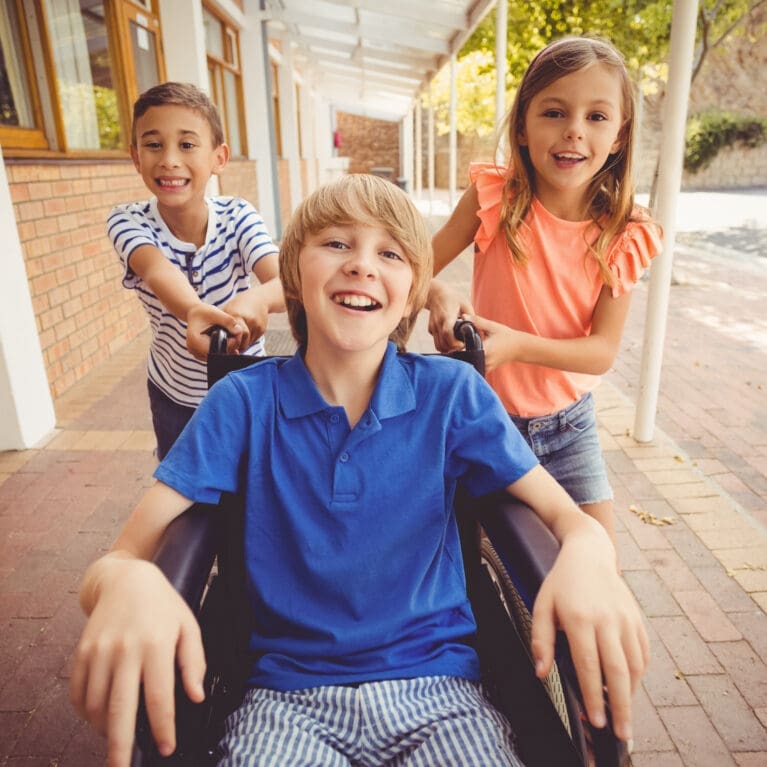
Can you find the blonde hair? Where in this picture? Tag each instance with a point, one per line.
(610, 195)
(357, 199)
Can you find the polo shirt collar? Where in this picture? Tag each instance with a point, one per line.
(299, 396)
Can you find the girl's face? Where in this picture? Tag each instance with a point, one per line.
(570, 128)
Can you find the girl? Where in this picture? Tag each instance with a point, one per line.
(558, 245)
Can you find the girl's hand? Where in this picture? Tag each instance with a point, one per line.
(139, 630)
(500, 342)
(585, 596)
(445, 307)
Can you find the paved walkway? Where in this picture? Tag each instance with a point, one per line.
(690, 509)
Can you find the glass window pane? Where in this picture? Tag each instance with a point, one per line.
(15, 104)
(214, 39)
(83, 66)
(144, 45)
(232, 114)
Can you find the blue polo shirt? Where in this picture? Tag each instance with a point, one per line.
(353, 559)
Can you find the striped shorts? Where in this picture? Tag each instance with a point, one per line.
(425, 722)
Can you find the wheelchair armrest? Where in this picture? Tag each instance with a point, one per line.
(527, 547)
(187, 550)
(528, 550)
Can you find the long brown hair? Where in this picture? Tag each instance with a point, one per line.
(610, 196)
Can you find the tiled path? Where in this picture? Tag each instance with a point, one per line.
(691, 543)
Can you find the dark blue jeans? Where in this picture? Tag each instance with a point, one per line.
(168, 418)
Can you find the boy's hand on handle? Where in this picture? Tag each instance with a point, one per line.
(445, 307)
(585, 597)
(131, 640)
(201, 317)
(251, 312)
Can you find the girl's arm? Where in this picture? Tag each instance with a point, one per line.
(593, 354)
(139, 629)
(585, 596)
(445, 304)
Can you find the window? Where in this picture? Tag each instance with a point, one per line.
(222, 46)
(71, 69)
(20, 113)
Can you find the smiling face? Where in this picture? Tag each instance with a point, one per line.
(176, 155)
(570, 129)
(355, 287)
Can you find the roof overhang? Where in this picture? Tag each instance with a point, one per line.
(372, 57)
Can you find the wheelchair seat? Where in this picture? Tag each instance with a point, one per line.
(507, 552)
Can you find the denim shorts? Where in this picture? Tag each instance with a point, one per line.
(168, 418)
(567, 446)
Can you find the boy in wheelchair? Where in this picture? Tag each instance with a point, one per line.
(349, 454)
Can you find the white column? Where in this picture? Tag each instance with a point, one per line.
(258, 117)
(669, 182)
(453, 162)
(288, 121)
(418, 188)
(430, 150)
(26, 407)
(501, 32)
(406, 149)
(308, 134)
(183, 42)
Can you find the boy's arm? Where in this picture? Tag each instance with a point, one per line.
(138, 630)
(170, 285)
(584, 595)
(446, 305)
(253, 306)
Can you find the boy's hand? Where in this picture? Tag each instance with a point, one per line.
(445, 307)
(251, 312)
(201, 317)
(140, 628)
(585, 596)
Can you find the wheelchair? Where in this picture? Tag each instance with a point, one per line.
(507, 552)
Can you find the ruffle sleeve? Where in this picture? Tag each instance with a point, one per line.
(489, 180)
(638, 244)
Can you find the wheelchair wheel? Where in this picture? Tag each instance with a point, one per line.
(520, 615)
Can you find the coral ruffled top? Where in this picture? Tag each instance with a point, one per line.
(553, 295)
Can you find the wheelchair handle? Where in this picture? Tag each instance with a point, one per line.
(218, 336)
(466, 332)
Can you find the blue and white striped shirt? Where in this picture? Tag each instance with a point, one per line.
(236, 240)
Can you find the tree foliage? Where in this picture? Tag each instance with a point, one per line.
(641, 29)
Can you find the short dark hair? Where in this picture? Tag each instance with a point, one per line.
(184, 95)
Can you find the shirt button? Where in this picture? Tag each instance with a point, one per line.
(195, 273)
(344, 457)
(334, 418)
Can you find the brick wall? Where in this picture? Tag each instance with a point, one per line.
(239, 180)
(368, 143)
(83, 313)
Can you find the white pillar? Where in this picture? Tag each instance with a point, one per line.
(288, 121)
(501, 32)
(183, 42)
(406, 149)
(430, 150)
(258, 116)
(26, 407)
(308, 135)
(453, 161)
(418, 188)
(669, 181)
